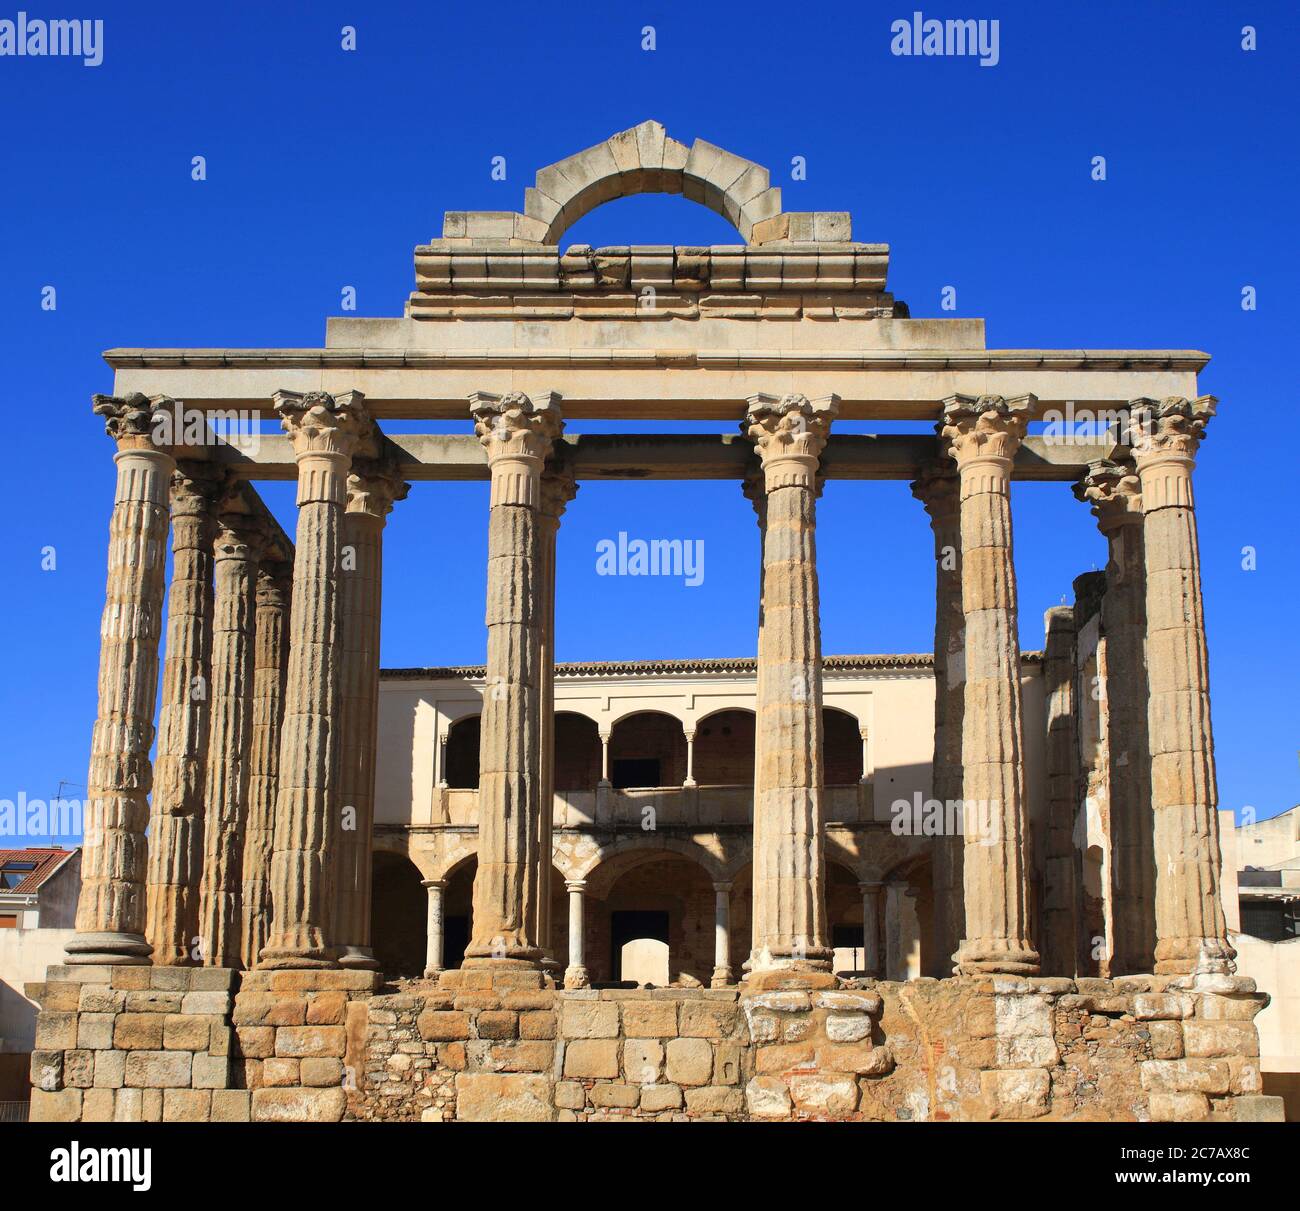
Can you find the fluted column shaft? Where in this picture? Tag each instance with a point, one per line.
(372, 489)
(938, 490)
(1060, 923)
(270, 667)
(176, 817)
(1115, 492)
(325, 431)
(983, 435)
(789, 927)
(111, 909)
(1191, 933)
(517, 434)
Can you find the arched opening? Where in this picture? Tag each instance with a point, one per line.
(649, 919)
(399, 914)
(844, 919)
(724, 749)
(458, 912)
(577, 752)
(647, 749)
(841, 748)
(462, 753)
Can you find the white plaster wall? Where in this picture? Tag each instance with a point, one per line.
(24, 956)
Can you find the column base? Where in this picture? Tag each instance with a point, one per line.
(287, 960)
(721, 978)
(996, 956)
(110, 948)
(811, 969)
(576, 977)
(433, 973)
(1195, 956)
(360, 958)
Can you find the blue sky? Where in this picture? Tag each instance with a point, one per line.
(326, 167)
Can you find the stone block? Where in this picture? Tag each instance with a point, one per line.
(650, 1019)
(231, 1105)
(592, 1058)
(170, 979)
(60, 996)
(327, 1008)
(1186, 1076)
(1220, 1038)
(497, 1024)
(95, 1030)
(624, 1097)
(256, 1042)
(206, 1002)
(186, 1032)
(710, 1020)
(56, 1031)
(95, 998)
(1166, 1040)
(491, 1097)
(210, 1071)
(862, 1058)
(642, 1059)
(658, 1098)
(320, 1072)
(110, 1069)
(537, 1024)
(128, 1106)
(727, 1060)
(821, 1093)
(1259, 1108)
(298, 1105)
(97, 1106)
(158, 1069)
(138, 1032)
(47, 1070)
(767, 1097)
(1032, 1052)
(151, 1105)
(1016, 1093)
(715, 1099)
(212, 979)
(848, 1027)
(1022, 1017)
(310, 1040)
(78, 1069)
(131, 978)
(570, 1095)
(1178, 1107)
(1162, 1006)
(443, 1025)
(849, 1001)
(784, 1058)
(186, 1105)
(268, 1009)
(58, 1106)
(689, 1061)
(511, 1055)
(154, 1001)
(588, 1019)
(278, 1072)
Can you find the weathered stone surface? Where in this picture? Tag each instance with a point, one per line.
(484, 1097)
(689, 1061)
(591, 1058)
(298, 1105)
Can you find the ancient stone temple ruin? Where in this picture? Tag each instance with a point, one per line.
(979, 884)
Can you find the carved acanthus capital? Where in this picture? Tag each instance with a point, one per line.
(518, 434)
(373, 485)
(937, 487)
(322, 424)
(1113, 489)
(1165, 435)
(559, 486)
(790, 433)
(136, 421)
(196, 488)
(241, 535)
(985, 430)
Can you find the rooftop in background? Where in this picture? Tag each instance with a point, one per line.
(23, 871)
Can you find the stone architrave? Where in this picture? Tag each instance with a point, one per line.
(373, 486)
(270, 667)
(789, 927)
(1060, 920)
(518, 434)
(176, 817)
(111, 910)
(237, 548)
(1115, 492)
(326, 431)
(1191, 933)
(937, 489)
(558, 487)
(982, 435)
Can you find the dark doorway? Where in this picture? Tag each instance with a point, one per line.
(399, 911)
(630, 924)
(636, 771)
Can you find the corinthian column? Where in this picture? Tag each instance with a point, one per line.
(517, 433)
(1060, 919)
(1191, 935)
(111, 909)
(176, 819)
(270, 660)
(373, 486)
(237, 548)
(789, 860)
(1115, 493)
(558, 487)
(325, 431)
(983, 435)
(937, 490)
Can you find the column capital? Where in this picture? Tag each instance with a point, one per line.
(790, 433)
(867, 886)
(197, 487)
(136, 421)
(937, 487)
(240, 536)
(319, 423)
(374, 484)
(721, 885)
(274, 582)
(1114, 490)
(1166, 435)
(518, 434)
(576, 884)
(433, 884)
(558, 486)
(985, 431)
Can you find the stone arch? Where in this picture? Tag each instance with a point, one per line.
(841, 747)
(724, 747)
(398, 908)
(651, 845)
(644, 159)
(462, 752)
(577, 751)
(647, 747)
